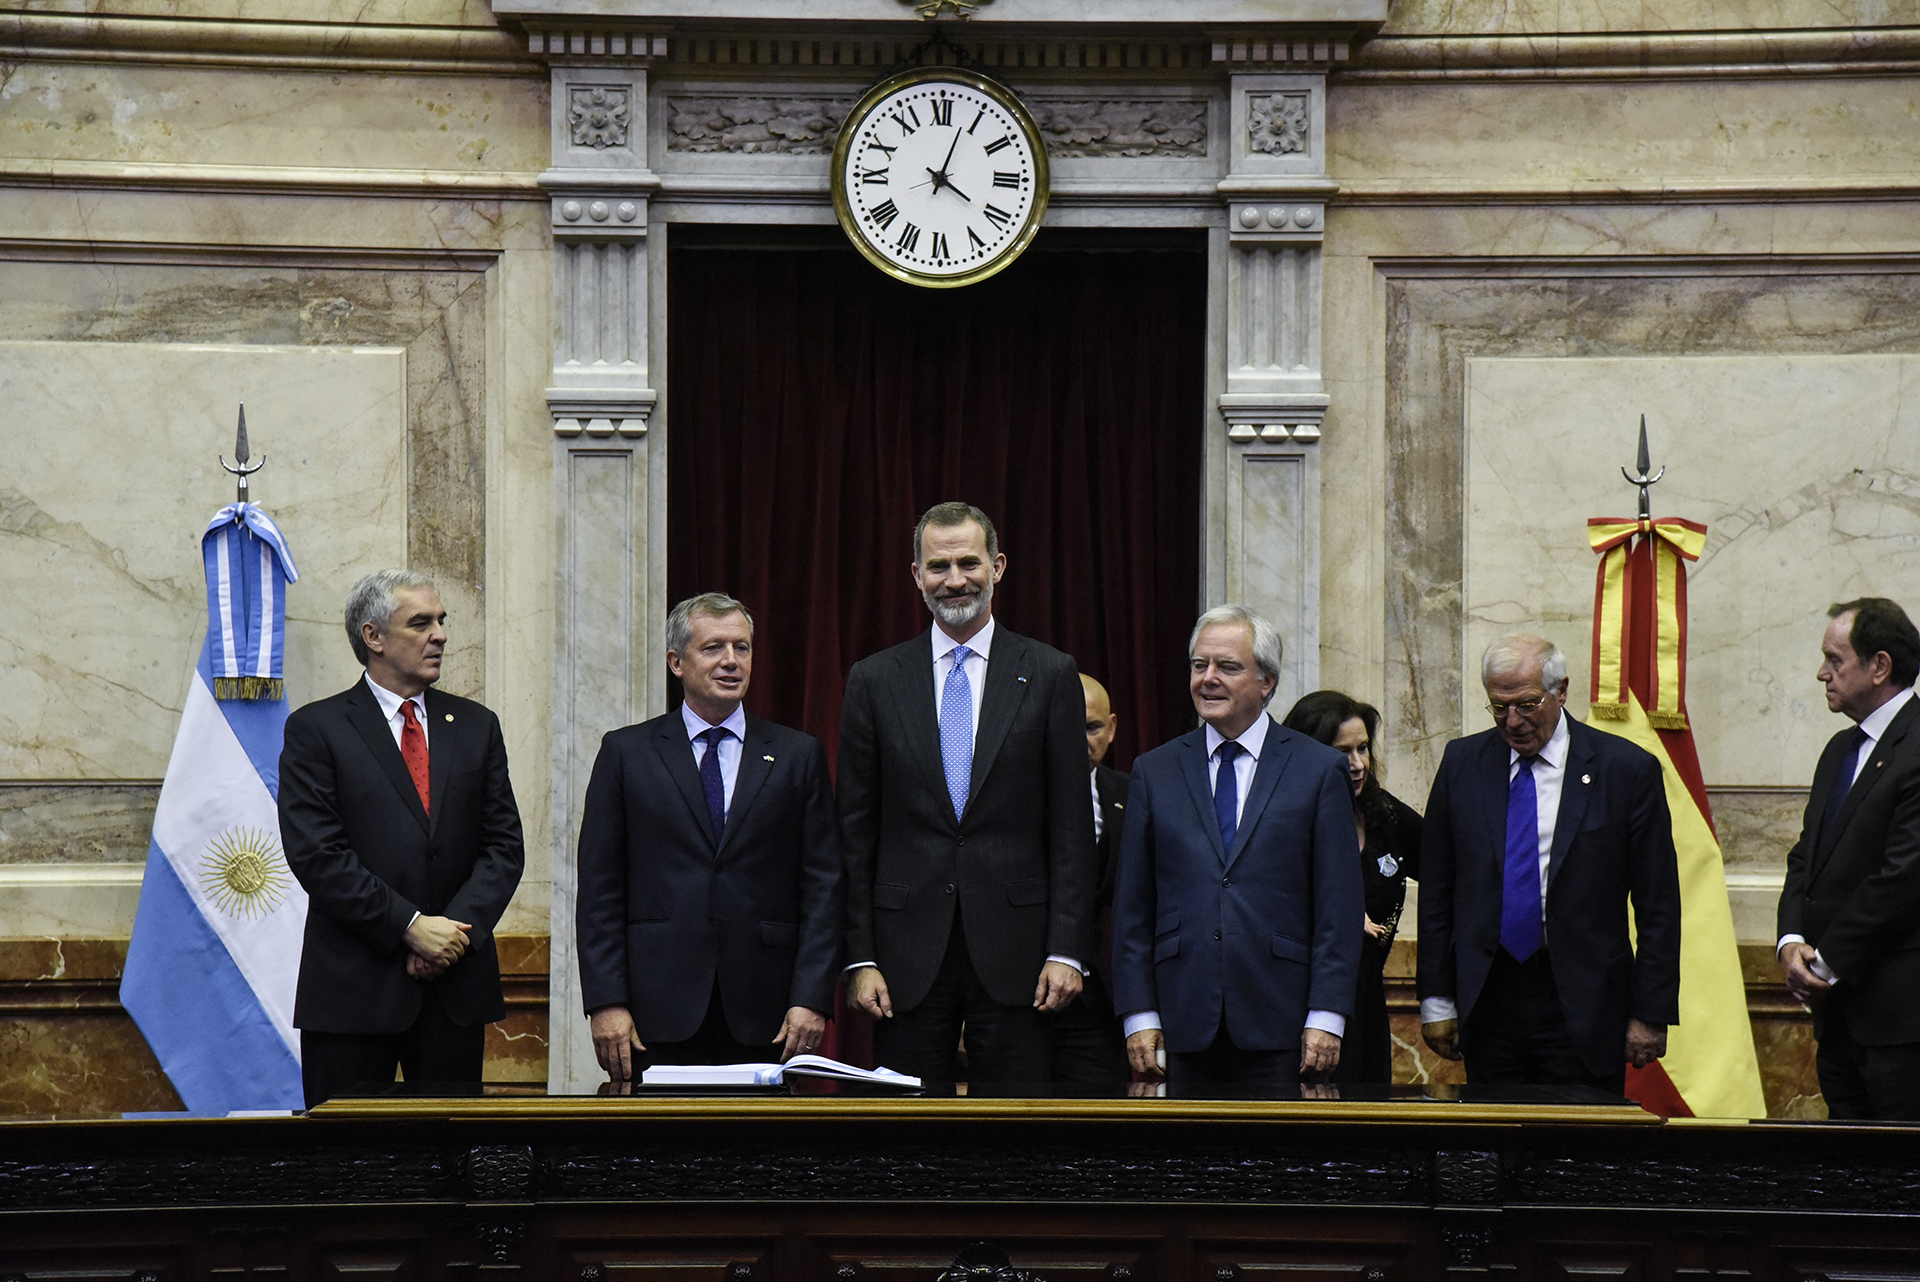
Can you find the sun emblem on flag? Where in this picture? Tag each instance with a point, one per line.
(244, 872)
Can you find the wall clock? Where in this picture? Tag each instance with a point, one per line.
(939, 176)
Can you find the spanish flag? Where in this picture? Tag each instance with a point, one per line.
(1639, 692)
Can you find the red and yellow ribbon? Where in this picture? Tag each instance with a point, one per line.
(1641, 585)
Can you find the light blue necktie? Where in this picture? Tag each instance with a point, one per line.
(956, 730)
(1520, 888)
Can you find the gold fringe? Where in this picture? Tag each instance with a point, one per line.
(1609, 711)
(250, 689)
(1667, 720)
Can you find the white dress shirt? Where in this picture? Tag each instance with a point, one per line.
(1873, 727)
(1252, 741)
(390, 708)
(1099, 819)
(731, 744)
(1549, 780)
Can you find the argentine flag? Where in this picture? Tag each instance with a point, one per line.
(216, 944)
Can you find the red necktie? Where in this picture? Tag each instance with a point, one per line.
(413, 750)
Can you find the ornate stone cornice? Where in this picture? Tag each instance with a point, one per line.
(332, 46)
(1638, 56)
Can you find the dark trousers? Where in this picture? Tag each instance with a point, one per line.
(1867, 1082)
(1089, 1048)
(1517, 1034)
(433, 1049)
(1004, 1043)
(1223, 1063)
(712, 1043)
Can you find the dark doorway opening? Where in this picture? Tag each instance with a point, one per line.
(817, 406)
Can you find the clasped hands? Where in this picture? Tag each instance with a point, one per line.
(435, 943)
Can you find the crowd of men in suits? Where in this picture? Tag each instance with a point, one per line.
(977, 878)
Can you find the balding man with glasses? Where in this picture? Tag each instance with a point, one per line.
(1539, 833)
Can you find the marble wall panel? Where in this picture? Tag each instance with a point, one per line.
(1774, 130)
(105, 577)
(68, 823)
(172, 115)
(1805, 470)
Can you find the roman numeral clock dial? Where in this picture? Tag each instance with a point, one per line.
(939, 176)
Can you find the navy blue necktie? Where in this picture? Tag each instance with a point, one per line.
(1843, 781)
(710, 781)
(1226, 793)
(1520, 889)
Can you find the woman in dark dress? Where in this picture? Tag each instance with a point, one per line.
(1389, 832)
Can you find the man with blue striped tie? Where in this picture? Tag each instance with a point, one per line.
(965, 825)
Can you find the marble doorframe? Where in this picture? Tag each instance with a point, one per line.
(653, 127)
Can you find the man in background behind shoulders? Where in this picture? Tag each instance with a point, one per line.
(1088, 1047)
(1850, 908)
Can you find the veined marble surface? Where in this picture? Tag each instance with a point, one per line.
(109, 479)
(1805, 469)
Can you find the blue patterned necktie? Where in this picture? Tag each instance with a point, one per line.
(1226, 793)
(956, 730)
(710, 781)
(1520, 891)
(1842, 781)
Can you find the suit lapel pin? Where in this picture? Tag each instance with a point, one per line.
(449, 716)
(1586, 778)
(766, 758)
(1021, 680)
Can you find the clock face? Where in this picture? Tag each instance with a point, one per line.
(939, 177)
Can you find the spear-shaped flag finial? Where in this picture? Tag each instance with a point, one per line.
(1644, 481)
(239, 466)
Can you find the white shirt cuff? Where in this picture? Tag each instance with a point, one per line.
(1434, 1010)
(1068, 961)
(1784, 941)
(1327, 1022)
(1820, 968)
(853, 966)
(1140, 1021)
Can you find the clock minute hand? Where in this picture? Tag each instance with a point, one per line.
(956, 191)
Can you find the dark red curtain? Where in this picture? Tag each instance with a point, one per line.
(816, 407)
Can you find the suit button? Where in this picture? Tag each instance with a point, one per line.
(1216, 934)
(959, 841)
(949, 888)
(1226, 881)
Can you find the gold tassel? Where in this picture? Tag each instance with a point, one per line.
(1667, 720)
(1609, 711)
(249, 689)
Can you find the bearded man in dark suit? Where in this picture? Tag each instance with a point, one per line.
(399, 821)
(708, 916)
(1850, 909)
(966, 825)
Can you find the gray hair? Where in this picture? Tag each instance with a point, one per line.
(371, 601)
(1266, 639)
(947, 515)
(713, 605)
(1512, 652)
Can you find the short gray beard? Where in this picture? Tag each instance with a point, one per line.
(955, 615)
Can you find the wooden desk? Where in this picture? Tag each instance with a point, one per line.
(752, 1188)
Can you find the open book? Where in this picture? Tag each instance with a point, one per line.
(769, 1074)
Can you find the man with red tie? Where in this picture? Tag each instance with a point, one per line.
(399, 820)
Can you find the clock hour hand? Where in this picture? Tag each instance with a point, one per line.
(956, 191)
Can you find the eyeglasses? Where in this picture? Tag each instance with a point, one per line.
(1526, 708)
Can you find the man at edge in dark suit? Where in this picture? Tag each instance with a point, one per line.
(1235, 951)
(1088, 1048)
(708, 916)
(966, 826)
(1850, 909)
(398, 819)
(1538, 833)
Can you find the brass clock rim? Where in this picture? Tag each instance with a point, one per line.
(1043, 173)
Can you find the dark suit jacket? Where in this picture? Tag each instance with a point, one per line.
(1111, 786)
(663, 913)
(1264, 932)
(1854, 892)
(1016, 866)
(369, 858)
(1612, 840)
